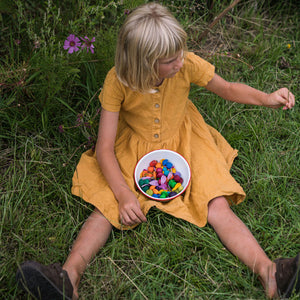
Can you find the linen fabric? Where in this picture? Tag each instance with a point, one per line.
(166, 119)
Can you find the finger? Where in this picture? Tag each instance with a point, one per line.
(129, 220)
(289, 104)
(288, 97)
(291, 99)
(138, 217)
(126, 220)
(141, 216)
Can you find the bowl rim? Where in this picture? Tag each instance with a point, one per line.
(162, 199)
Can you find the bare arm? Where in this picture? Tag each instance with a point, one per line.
(242, 93)
(130, 212)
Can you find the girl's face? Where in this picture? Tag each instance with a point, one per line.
(168, 67)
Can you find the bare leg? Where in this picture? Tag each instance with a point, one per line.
(240, 242)
(92, 236)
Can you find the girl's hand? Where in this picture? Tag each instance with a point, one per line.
(130, 210)
(129, 206)
(282, 97)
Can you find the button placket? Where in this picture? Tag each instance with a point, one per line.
(156, 129)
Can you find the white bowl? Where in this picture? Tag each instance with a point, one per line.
(179, 162)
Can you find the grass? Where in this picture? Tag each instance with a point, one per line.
(166, 258)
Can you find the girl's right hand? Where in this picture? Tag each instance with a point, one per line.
(130, 209)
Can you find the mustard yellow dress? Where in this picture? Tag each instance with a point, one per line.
(166, 119)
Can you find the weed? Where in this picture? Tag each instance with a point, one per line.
(49, 113)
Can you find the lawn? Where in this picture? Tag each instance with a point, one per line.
(49, 112)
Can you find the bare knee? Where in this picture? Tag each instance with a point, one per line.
(98, 219)
(97, 213)
(217, 208)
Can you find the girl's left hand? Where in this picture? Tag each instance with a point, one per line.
(282, 97)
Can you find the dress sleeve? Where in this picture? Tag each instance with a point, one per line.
(112, 93)
(201, 71)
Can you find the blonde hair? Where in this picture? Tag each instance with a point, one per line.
(149, 33)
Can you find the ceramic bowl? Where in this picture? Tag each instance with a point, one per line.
(178, 161)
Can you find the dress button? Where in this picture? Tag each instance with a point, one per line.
(156, 121)
(156, 105)
(156, 135)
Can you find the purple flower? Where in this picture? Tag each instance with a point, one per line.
(72, 43)
(61, 128)
(88, 44)
(87, 124)
(91, 143)
(79, 117)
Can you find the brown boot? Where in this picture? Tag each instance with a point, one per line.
(288, 276)
(45, 282)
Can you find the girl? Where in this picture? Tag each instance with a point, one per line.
(145, 106)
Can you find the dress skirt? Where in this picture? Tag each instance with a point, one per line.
(207, 152)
